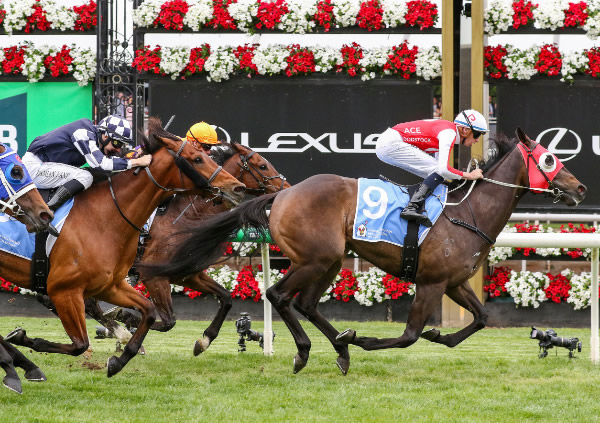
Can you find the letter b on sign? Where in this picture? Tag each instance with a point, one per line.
(8, 136)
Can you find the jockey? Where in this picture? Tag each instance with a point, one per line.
(54, 159)
(409, 145)
(202, 136)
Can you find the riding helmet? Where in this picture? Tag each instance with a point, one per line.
(475, 121)
(116, 128)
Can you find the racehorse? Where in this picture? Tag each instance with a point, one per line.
(312, 223)
(260, 177)
(21, 200)
(98, 242)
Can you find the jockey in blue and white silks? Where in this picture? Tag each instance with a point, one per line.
(54, 159)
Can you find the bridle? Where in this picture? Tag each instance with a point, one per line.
(185, 168)
(13, 195)
(262, 180)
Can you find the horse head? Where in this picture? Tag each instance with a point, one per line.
(546, 173)
(202, 174)
(19, 196)
(256, 172)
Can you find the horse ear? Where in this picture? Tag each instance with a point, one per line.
(522, 136)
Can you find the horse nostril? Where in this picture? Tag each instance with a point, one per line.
(46, 217)
(239, 188)
(582, 189)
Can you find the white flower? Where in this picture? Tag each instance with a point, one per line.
(146, 13)
(326, 58)
(345, 11)
(370, 287)
(429, 63)
(580, 292)
(224, 276)
(592, 23)
(270, 60)
(498, 17)
(527, 288)
(199, 12)
(394, 12)
(298, 19)
(221, 64)
(61, 17)
(574, 63)
(17, 12)
(243, 13)
(550, 14)
(173, 60)
(84, 65)
(520, 64)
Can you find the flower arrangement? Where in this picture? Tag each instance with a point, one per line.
(403, 61)
(495, 284)
(43, 15)
(35, 62)
(498, 254)
(527, 288)
(298, 16)
(546, 60)
(549, 15)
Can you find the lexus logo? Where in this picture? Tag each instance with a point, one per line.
(563, 142)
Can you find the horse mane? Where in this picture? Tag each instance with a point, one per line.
(223, 152)
(499, 147)
(151, 143)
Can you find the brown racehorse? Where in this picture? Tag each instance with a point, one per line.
(312, 223)
(260, 177)
(22, 201)
(98, 241)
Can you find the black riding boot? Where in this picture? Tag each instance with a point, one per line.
(64, 193)
(417, 200)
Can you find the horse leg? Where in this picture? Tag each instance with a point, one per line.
(71, 311)
(464, 296)
(11, 380)
(427, 298)
(160, 292)
(92, 309)
(280, 295)
(204, 283)
(32, 372)
(306, 303)
(124, 295)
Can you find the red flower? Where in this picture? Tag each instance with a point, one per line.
(245, 55)
(494, 61)
(324, 16)
(37, 20)
(576, 14)
(523, 13)
(59, 63)
(14, 58)
(191, 293)
(269, 13)
(171, 15)
(221, 17)
(351, 55)
(495, 287)
(394, 287)
(8, 286)
(301, 61)
(558, 289)
(370, 15)
(402, 61)
(2, 15)
(86, 16)
(346, 287)
(198, 57)
(549, 61)
(147, 60)
(141, 288)
(422, 13)
(247, 286)
(593, 55)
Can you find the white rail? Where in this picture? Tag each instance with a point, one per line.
(565, 240)
(555, 217)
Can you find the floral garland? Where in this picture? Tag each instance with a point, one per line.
(509, 62)
(498, 254)
(43, 15)
(530, 289)
(547, 15)
(297, 16)
(35, 62)
(224, 62)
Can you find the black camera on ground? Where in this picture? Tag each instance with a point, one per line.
(243, 328)
(549, 338)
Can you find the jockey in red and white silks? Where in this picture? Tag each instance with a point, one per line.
(423, 147)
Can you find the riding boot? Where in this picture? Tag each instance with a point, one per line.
(64, 193)
(411, 211)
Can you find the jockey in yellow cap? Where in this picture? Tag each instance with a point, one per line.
(202, 136)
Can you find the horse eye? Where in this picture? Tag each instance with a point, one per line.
(263, 167)
(198, 160)
(16, 173)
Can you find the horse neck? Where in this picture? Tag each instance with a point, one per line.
(189, 208)
(492, 204)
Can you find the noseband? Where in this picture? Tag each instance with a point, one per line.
(246, 166)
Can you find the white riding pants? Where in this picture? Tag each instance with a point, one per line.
(51, 175)
(392, 149)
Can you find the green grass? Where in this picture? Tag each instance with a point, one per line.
(494, 376)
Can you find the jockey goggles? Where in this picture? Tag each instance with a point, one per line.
(476, 134)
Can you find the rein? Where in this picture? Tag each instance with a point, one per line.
(246, 166)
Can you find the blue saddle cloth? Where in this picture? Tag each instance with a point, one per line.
(378, 208)
(15, 239)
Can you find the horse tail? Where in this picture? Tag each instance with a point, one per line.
(205, 242)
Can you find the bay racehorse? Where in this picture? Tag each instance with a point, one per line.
(98, 242)
(260, 177)
(312, 223)
(20, 199)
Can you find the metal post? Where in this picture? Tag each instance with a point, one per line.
(594, 308)
(268, 321)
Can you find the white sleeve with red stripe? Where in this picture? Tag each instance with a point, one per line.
(447, 138)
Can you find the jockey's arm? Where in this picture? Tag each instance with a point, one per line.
(85, 142)
(446, 139)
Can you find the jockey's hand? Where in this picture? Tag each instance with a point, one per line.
(141, 161)
(474, 174)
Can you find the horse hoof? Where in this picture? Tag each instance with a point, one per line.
(16, 336)
(113, 366)
(201, 345)
(13, 383)
(142, 351)
(343, 364)
(35, 375)
(431, 334)
(299, 364)
(346, 337)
